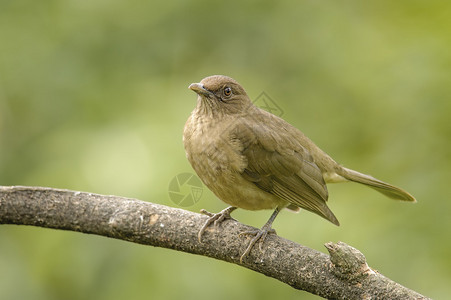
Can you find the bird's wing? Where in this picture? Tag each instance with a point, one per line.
(279, 164)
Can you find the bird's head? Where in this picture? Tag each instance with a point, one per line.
(221, 95)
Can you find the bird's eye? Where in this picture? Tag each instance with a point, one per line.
(227, 91)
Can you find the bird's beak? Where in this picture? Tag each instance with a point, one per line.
(200, 89)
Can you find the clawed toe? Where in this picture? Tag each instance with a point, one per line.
(207, 213)
(216, 219)
(259, 235)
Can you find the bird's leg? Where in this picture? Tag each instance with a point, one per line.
(215, 218)
(259, 234)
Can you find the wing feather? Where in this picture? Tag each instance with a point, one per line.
(279, 164)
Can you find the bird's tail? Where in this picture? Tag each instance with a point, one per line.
(387, 189)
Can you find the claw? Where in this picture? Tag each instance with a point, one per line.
(259, 236)
(216, 219)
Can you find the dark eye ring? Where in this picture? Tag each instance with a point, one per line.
(227, 91)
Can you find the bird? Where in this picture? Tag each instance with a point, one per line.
(255, 160)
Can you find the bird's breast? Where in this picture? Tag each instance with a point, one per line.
(218, 161)
(210, 150)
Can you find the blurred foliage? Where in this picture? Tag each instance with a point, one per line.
(93, 97)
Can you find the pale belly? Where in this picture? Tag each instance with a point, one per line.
(229, 186)
(244, 194)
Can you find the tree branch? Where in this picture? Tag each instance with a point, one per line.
(342, 275)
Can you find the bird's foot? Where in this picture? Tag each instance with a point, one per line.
(216, 219)
(259, 235)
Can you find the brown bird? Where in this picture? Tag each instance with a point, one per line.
(254, 160)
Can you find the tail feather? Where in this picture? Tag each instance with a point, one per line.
(382, 187)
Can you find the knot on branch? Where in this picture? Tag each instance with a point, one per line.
(348, 263)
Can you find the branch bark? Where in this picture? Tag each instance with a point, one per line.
(342, 275)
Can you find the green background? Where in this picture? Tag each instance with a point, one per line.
(93, 97)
